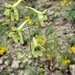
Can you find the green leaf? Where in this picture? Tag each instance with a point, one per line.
(11, 34)
(16, 13)
(45, 17)
(25, 61)
(16, 37)
(8, 5)
(12, 16)
(7, 12)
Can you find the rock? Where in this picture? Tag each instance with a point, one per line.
(21, 66)
(50, 13)
(12, 74)
(6, 62)
(15, 64)
(1, 61)
(72, 69)
(20, 73)
(57, 73)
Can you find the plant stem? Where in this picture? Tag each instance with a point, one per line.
(30, 48)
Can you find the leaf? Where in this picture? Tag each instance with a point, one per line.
(16, 37)
(45, 17)
(11, 34)
(7, 12)
(12, 16)
(8, 5)
(50, 30)
(25, 61)
(16, 14)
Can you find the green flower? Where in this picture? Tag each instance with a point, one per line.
(17, 33)
(38, 49)
(12, 10)
(40, 15)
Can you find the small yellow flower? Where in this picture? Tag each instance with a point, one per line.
(62, 3)
(57, 57)
(70, 3)
(43, 42)
(30, 22)
(1, 52)
(44, 37)
(73, 49)
(27, 17)
(52, 41)
(6, 32)
(48, 56)
(66, 62)
(67, 4)
(5, 49)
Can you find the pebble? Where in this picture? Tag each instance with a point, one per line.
(1, 61)
(15, 64)
(72, 69)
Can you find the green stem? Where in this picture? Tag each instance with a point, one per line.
(30, 47)
(24, 29)
(34, 10)
(23, 53)
(17, 3)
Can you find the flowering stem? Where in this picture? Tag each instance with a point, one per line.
(30, 48)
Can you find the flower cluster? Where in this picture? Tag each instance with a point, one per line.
(66, 62)
(3, 50)
(73, 49)
(41, 40)
(48, 56)
(30, 22)
(37, 49)
(66, 3)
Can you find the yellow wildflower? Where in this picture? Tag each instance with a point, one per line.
(44, 37)
(6, 32)
(70, 3)
(48, 56)
(52, 41)
(27, 17)
(66, 62)
(1, 52)
(57, 57)
(4, 49)
(73, 49)
(43, 42)
(30, 22)
(62, 3)
(67, 4)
